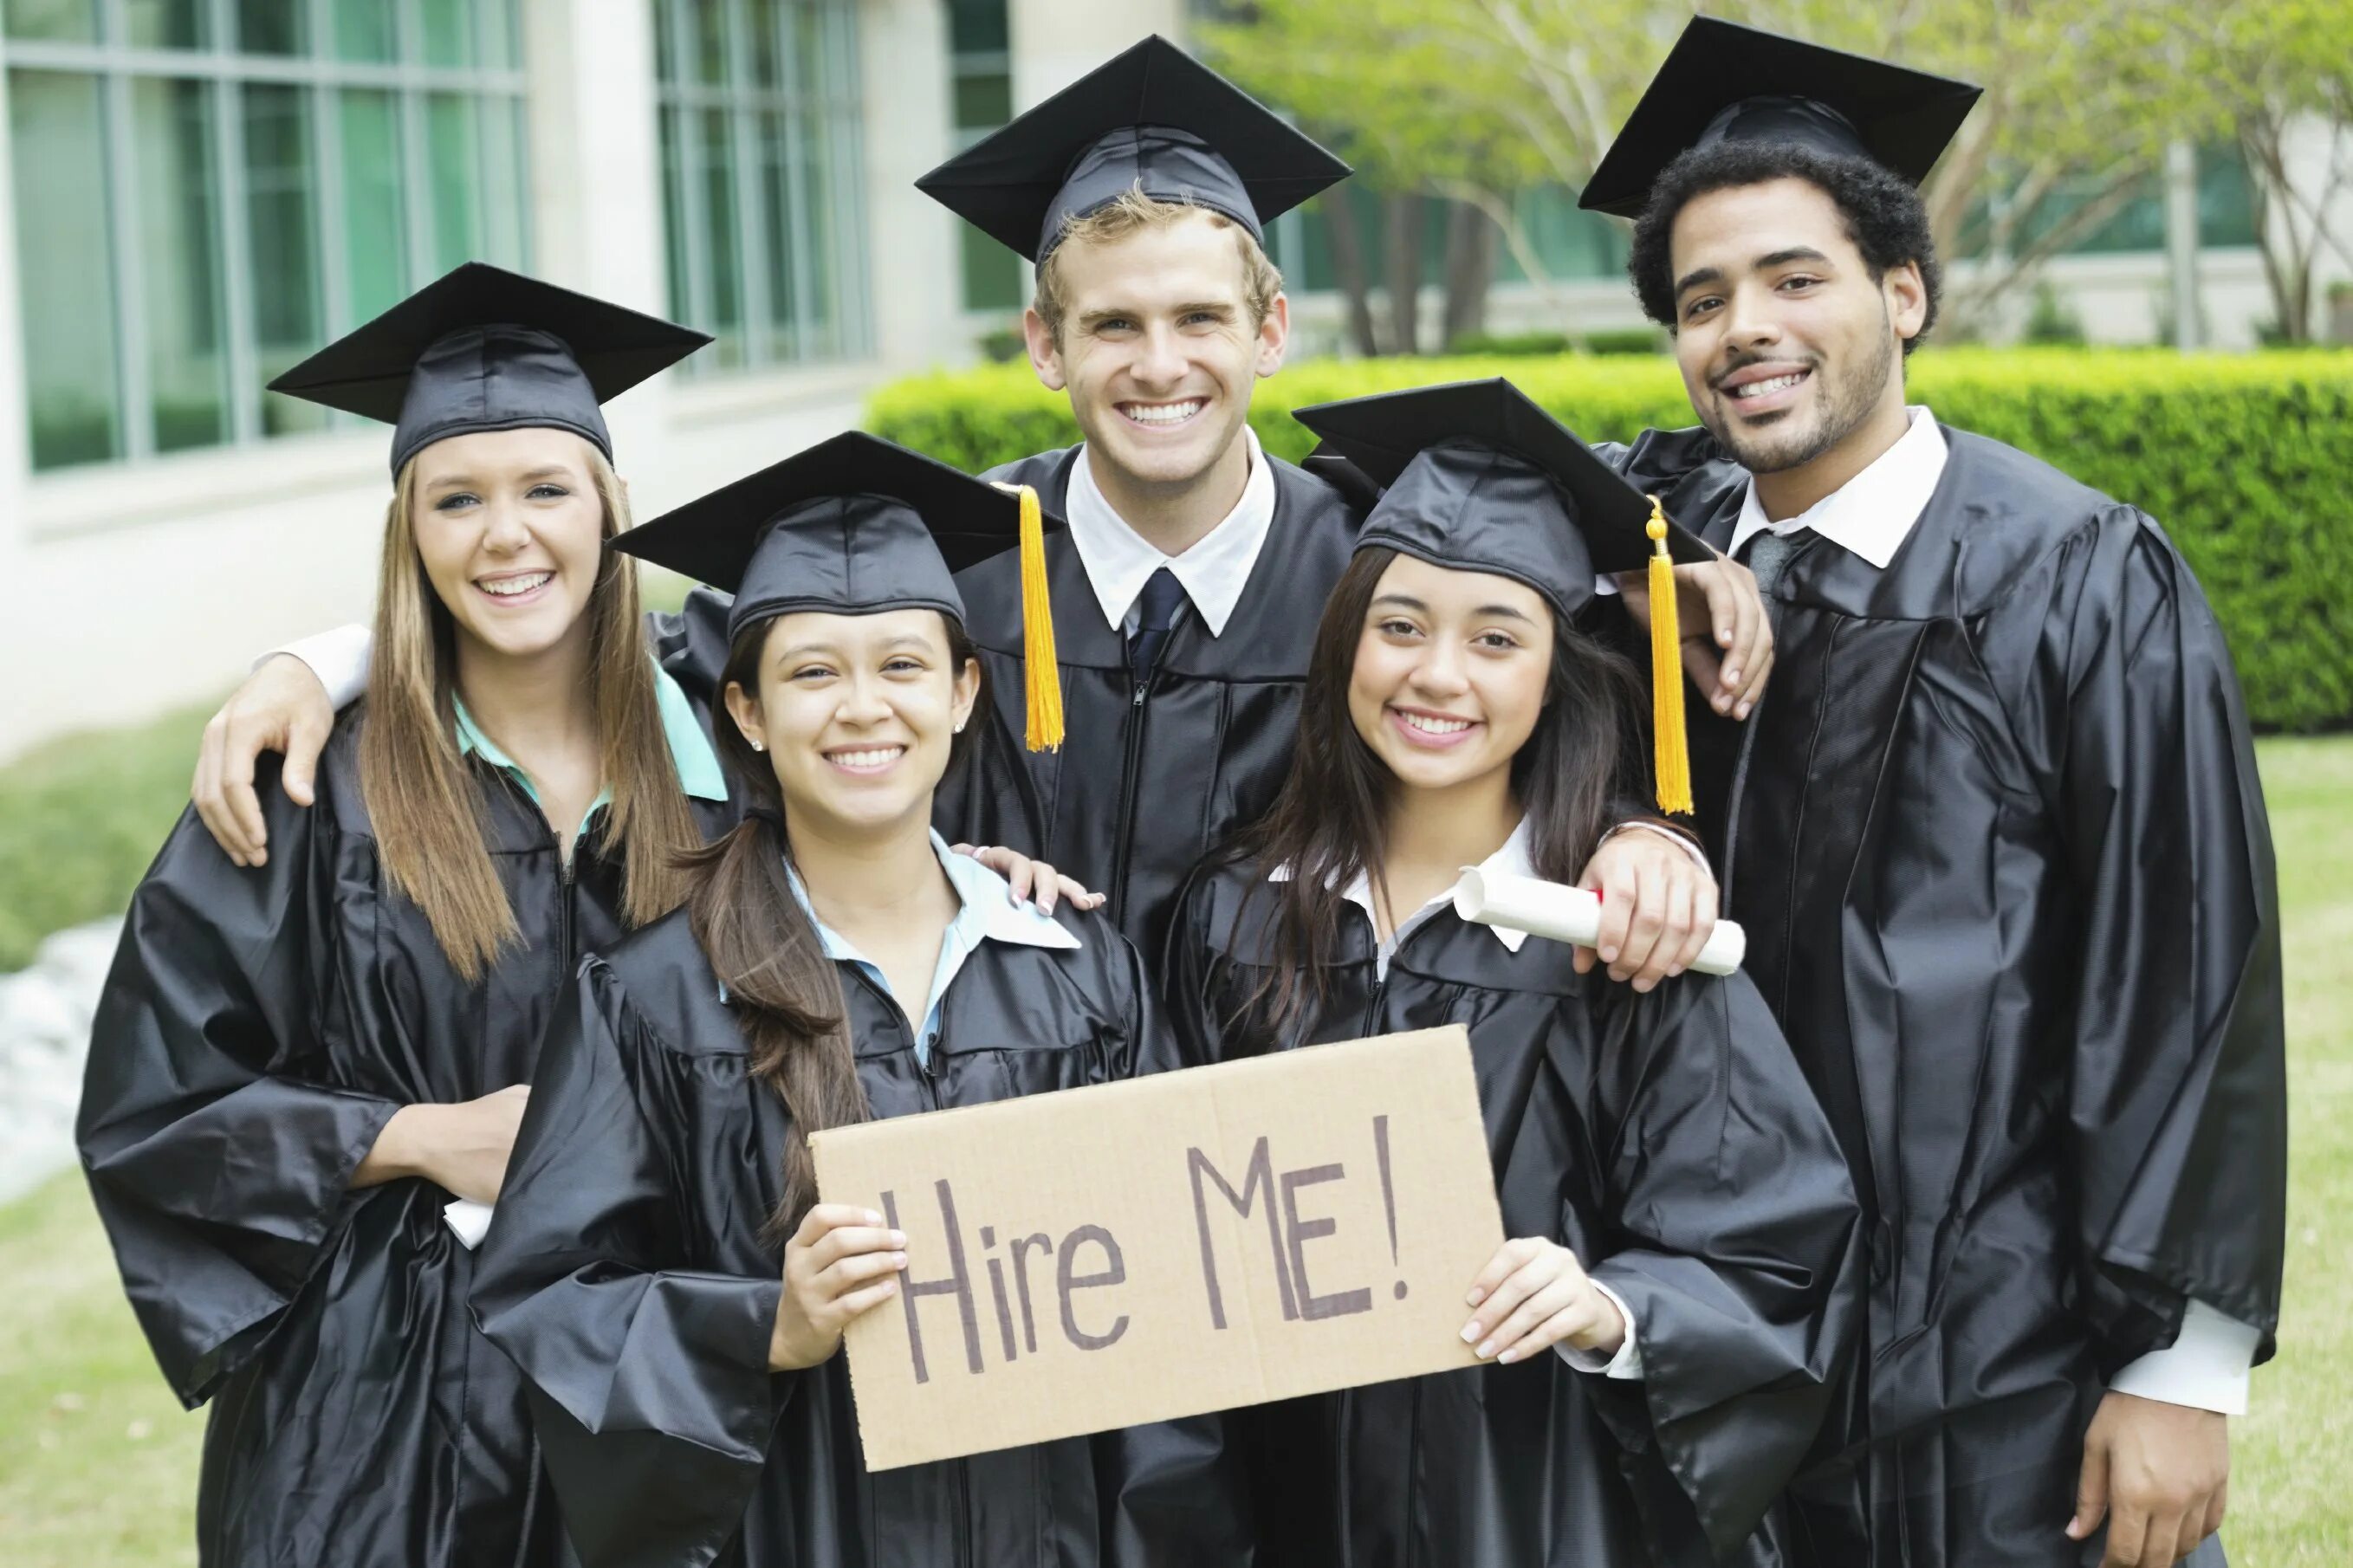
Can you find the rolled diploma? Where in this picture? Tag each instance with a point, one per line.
(1571, 915)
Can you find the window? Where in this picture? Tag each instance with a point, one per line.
(762, 178)
(980, 69)
(206, 191)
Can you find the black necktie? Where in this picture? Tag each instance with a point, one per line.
(1162, 597)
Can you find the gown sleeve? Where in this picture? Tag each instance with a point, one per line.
(2138, 738)
(649, 1379)
(690, 645)
(219, 1156)
(1736, 1222)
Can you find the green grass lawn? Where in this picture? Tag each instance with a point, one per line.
(98, 1464)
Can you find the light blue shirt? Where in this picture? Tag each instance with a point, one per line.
(690, 750)
(985, 912)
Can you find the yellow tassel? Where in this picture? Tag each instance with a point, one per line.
(1671, 754)
(1041, 673)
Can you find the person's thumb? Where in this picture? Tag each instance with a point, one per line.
(305, 739)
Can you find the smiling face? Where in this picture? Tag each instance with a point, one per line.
(511, 530)
(1450, 674)
(1158, 346)
(1789, 346)
(857, 714)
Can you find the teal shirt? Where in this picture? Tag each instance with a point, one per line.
(690, 750)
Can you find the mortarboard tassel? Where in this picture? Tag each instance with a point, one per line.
(1041, 674)
(1670, 757)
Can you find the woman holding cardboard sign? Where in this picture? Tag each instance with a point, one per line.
(834, 963)
(1662, 1330)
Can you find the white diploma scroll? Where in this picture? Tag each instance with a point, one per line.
(1572, 915)
(467, 1220)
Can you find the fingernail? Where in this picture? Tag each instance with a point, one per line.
(873, 1219)
(899, 1259)
(1732, 674)
(1473, 1299)
(1510, 1356)
(1609, 955)
(1486, 1350)
(1644, 985)
(890, 1287)
(1741, 711)
(1471, 1331)
(898, 1238)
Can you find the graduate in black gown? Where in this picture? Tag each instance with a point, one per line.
(1666, 1324)
(1998, 839)
(296, 1068)
(660, 1269)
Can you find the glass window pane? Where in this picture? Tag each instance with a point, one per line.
(665, 57)
(165, 24)
(272, 27)
(724, 315)
(769, 40)
(454, 155)
(53, 21)
(977, 26)
(281, 226)
(707, 33)
(992, 274)
(66, 286)
(376, 233)
(179, 261)
(681, 278)
(449, 32)
(983, 102)
(778, 225)
(364, 31)
(819, 227)
(503, 186)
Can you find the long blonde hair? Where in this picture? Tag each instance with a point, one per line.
(422, 802)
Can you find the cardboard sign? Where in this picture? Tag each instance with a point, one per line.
(1173, 1244)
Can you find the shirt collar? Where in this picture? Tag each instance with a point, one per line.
(690, 750)
(985, 912)
(1871, 513)
(1512, 860)
(1214, 571)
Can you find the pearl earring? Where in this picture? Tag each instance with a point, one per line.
(759, 745)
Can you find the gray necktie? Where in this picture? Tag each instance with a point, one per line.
(1767, 556)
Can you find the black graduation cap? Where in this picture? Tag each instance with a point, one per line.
(855, 525)
(485, 348)
(1476, 477)
(1153, 117)
(1724, 82)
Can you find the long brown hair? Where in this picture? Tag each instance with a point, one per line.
(763, 948)
(1329, 823)
(422, 802)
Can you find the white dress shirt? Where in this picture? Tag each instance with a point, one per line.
(1214, 571)
(2207, 1366)
(1510, 860)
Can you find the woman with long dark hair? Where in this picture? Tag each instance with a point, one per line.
(1661, 1327)
(297, 1068)
(661, 1270)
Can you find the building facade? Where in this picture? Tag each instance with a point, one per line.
(194, 194)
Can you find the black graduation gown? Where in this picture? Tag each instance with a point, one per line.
(257, 1031)
(2003, 860)
(1670, 1142)
(1148, 779)
(627, 1278)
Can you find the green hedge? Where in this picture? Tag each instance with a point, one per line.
(2246, 459)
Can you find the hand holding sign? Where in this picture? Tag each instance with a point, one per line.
(1533, 1295)
(841, 1262)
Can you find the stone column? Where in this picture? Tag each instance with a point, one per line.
(913, 286)
(16, 657)
(1055, 42)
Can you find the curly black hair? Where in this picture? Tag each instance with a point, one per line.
(1885, 216)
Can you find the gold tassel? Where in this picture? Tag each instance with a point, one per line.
(1041, 675)
(1671, 754)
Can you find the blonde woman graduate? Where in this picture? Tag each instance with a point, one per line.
(298, 1070)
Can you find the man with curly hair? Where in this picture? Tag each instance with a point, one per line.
(1999, 700)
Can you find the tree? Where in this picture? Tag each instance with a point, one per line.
(1479, 100)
